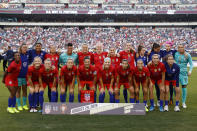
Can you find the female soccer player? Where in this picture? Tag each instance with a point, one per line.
(142, 55)
(115, 61)
(157, 76)
(22, 81)
(86, 76)
(141, 76)
(33, 83)
(124, 77)
(171, 77)
(182, 58)
(107, 74)
(47, 77)
(11, 82)
(99, 56)
(68, 74)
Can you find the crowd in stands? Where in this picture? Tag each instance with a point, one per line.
(15, 36)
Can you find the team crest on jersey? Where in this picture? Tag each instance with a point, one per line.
(10, 82)
(140, 75)
(90, 72)
(24, 64)
(159, 69)
(110, 73)
(87, 73)
(99, 57)
(112, 60)
(56, 58)
(95, 73)
(173, 70)
(155, 70)
(116, 60)
(87, 97)
(143, 74)
(69, 74)
(103, 56)
(107, 74)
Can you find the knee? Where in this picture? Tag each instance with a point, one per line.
(162, 90)
(145, 90)
(116, 91)
(71, 91)
(53, 89)
(31, 90)
(136, 91)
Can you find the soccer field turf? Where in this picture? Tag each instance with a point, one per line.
(154, 121)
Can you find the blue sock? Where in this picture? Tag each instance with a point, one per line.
(184, 94)
(14, 101)
(137, 101)
(101, 97)
(111, 97)
(41, 98)
(132, 100)
(49, 94)
(56, 100)
(30, 97)
(79, 97)
(117, 100)
(71, 98)
(36, 99)
(177, 103)
(152, 102)
(125, 95)
(95, 97)
(10, 102)
(24, 100)
(63, 97)
(37, 95)
(166, 102)
(18, 101)
(145, 103)
(161, 103)
(53, 96)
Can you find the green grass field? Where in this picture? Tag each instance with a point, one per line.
(154, 121)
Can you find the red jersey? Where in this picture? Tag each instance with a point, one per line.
(34, 73)
(81, 57)
(107, 75)
(87, 75)
(48, 76)
(141, 75)
(115, 61)
(13, 70)
(124, 74)
(156, 71)
(129, 56)
(68, 74)
(99, 58)
(54, 59)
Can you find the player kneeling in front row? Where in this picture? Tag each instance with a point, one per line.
(124, 77)
(86, 76)
(157, 75)
(68, 74)
(33, 83)
(107, 74)
(47, 77)
(141, 76)
(172, 77)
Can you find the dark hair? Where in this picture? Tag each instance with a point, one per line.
(140, 47)
(167, 56)
(155, 45)
(125, 60)
(38, 43)
(20, 49)
(86, 58)
(69, 44)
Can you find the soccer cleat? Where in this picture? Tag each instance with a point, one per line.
(10, 110)
(25, 107)
(35, 110)
(146, 109)
(20, 108)
(161, 109)
(184, 105)
(176, 109)
(31, 110)
(158, 103)
(166, 108)
(15, 110)
(152, 108)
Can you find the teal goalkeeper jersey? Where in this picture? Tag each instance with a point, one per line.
(64, 57)
(182, 61)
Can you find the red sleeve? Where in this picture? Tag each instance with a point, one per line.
(92, 58)
(62, 71)
(163, 68)
(29, 72)
(45, 56)
(11, 67)
(147, 72)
